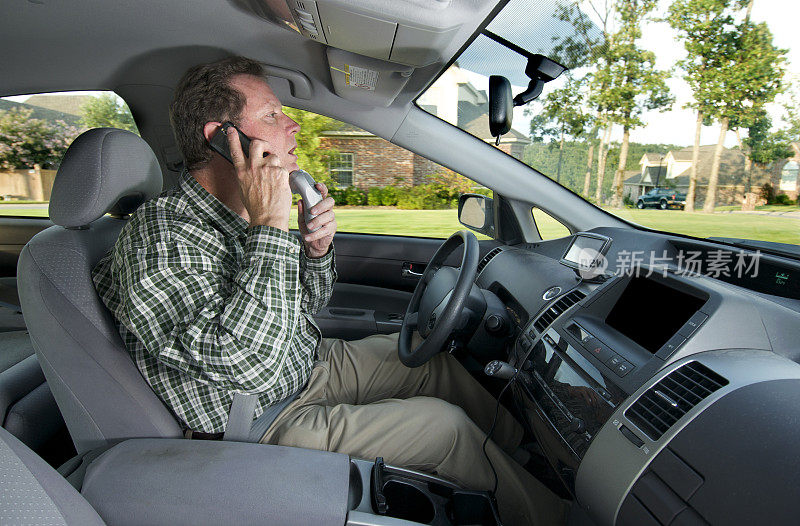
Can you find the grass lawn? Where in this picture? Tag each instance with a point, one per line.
(442, 223)
(746, 226)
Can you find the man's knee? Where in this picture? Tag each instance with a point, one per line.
(448, 423)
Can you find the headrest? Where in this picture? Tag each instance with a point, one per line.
(105, 170)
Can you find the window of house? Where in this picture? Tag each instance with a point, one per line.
(36, 130)
(549, 227)
(789, 176)
(341, 167)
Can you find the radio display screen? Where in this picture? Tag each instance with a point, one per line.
(650, 313)
(584, 251)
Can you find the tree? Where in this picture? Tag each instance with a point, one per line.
(563, 115)
(762, 146)
(310, 157)
(25, 142)
(705, 27)
(588, 46)
(631, 84)
(749, 78)
(108, 111)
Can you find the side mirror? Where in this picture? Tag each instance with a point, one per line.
(476, 212)
(501, 105)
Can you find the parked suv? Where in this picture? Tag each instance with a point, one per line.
(662, 198)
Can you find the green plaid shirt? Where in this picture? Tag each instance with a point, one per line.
(209, 307)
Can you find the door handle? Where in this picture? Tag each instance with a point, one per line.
(412, 270)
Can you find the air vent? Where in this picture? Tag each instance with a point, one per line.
(557, 309)
(488, 257)
(301, 5)
(672, 397)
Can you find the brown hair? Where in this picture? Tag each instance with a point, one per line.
(204, 94)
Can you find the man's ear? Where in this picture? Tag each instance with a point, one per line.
(210, 129)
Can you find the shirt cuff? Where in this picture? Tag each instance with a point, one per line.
(263, 240)
(318, 264)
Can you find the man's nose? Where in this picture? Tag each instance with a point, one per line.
(292, 126)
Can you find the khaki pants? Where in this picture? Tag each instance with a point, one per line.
(362, 401)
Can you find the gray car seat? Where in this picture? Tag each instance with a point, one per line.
(99, 390)
(34, 493)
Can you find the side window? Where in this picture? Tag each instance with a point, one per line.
(549, 227)
(341, 169)
(379, 187)
(36, 130)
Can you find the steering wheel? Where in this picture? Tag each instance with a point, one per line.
(438, 301)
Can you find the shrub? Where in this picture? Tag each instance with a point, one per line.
(354, 197)
(768, 193)
(430, 196)
(628, 202)
(338, 195)
(374, 196)
(389, 195)
(783, 199)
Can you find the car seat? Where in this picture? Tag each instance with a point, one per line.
(104, 176)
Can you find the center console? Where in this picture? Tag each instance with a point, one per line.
(587, 352)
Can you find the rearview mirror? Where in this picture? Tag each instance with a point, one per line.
(501, 105)
(476, 212)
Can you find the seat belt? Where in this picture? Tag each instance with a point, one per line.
(240, 417)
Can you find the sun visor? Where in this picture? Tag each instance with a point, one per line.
(366, 80)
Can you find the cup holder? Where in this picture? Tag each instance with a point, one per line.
(405, 501)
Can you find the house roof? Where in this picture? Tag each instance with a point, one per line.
(344, 129)
(479, 127)
(41, 113)
(651, 158)
(70, 104)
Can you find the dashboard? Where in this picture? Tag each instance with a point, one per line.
(659, 393)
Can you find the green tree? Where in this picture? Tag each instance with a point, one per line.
(762, 146)
(705, 27)
(631, 84)
(563, 116)
(108, 111)
(25, 141)
(586, 46)
(748, 78)
(310, 157)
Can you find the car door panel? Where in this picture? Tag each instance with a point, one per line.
(15, 232)
(376, 277)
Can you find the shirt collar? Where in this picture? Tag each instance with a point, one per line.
(209, 207)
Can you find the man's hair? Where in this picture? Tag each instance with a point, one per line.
(204, 94)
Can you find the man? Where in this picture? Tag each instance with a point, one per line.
(214, 297)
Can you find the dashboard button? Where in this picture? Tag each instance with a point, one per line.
(614, 361)
(630, 435)
(693, 324)
(549, 339)
(602, 392)
(671, 346)
(598, 350)
(623, 368)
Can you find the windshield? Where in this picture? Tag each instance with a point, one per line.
(681, 116)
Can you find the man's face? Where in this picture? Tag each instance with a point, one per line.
(263, 118)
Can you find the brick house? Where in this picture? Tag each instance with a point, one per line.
(366, 160)
(673, 169)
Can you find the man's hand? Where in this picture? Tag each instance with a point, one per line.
(318, 242)
(263, 182)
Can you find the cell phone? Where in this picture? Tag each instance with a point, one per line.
(219, 143)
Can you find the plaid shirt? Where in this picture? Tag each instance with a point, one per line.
(209, 307)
